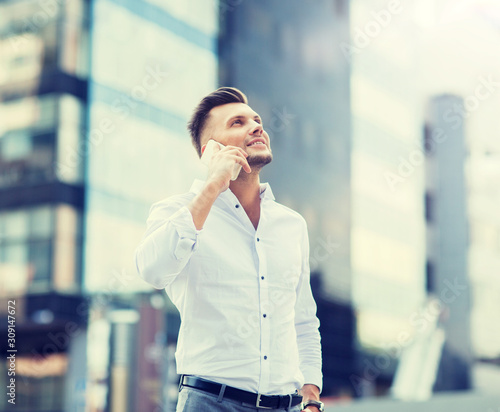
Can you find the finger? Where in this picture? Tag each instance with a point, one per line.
(239, 149)
(243, 162)
(240, 154)
(245, 165)
(242, 151)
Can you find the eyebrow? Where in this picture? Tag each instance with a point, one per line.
(242, 117)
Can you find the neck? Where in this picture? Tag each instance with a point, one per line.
(247, 188)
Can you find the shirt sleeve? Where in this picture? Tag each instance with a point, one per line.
(166, 247)
(307, 324)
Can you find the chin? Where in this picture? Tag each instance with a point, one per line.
(260, 159)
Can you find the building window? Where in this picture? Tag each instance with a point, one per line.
(429, 277)
(39, 250)
(39, 258)
(25, 249)
(429, 206)
(428, 142)
(27, 140)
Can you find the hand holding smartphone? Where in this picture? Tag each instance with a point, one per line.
(210, 150)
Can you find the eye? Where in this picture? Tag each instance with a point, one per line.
(236, 121)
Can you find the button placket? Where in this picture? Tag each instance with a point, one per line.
(265, 324)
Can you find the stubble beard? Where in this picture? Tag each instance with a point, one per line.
(259, 160)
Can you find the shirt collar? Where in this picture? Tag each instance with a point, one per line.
(265, 189)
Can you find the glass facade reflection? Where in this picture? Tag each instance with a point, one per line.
(35, 95)
(26, 249)
(388, 226)
(150, 63)
(94, 101)
(141, 97)
(27, 146)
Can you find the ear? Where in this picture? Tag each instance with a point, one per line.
(204, 146)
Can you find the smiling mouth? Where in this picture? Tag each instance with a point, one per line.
(256, 143)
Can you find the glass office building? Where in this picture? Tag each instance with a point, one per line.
(42, 86)
(448, 239)
(145, 81)
(297, 79)
(94, 100)
(435, 58)
(388, 225)
(43, 66)
(150, 63)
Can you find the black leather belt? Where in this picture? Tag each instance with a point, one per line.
(260, 401)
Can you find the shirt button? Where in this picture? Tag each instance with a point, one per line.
(264, 315)
(258, 240)
(236, 206)
(265, 357)
(262, 277)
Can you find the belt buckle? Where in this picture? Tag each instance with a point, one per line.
(257, 404)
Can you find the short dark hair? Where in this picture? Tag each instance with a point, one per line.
(223, 95)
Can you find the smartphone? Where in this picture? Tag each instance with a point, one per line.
(210, 150)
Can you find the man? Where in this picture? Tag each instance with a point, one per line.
(236, 265)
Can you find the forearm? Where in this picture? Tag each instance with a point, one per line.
(309, 392)
(202, 203)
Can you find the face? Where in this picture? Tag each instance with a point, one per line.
(236, 124)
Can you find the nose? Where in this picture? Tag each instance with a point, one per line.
(257, 129)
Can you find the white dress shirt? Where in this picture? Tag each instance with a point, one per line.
(248, 317)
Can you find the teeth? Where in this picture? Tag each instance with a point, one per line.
(256, 143)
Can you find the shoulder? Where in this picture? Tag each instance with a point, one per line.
(172, 202)
(291, 215)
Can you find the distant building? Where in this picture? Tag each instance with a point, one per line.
(463, 243)
(448, 237)
(43, 71)
(94, 100)
(388, 186)
(145, 81)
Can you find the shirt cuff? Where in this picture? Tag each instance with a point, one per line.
(314, 377)
(182, 220)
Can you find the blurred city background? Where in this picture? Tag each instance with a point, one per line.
(384, 122)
